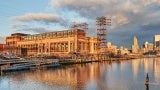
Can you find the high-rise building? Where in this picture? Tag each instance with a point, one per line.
(135, 46)
(157, 42)
(148, 46)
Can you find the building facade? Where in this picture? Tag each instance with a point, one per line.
(148, 46)
(111, 48)
(59, 43)
(135, 46)
(12, 40)
(157, 42)
(123, 50)
(3, 48)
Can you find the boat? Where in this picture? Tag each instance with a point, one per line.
(9, 56)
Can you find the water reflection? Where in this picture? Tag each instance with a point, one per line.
(124, 75)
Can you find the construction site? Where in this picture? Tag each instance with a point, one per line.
(73, 43)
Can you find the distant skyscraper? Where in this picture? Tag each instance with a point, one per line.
(135, 45)
(157, 41)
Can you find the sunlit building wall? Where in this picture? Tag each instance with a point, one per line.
(123, 50)
(157, 42)
(111, 48)
(12, 40)
(59, 43)
(135, 46)
(148, 46)
(3, 48)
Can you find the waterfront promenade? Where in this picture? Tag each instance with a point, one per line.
(41, 63)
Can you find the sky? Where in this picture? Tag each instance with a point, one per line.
(130, 18)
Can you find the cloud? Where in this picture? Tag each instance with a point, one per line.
(91, 9)
(129, 17)
(33, 29)
(121, 11)
(39, 17)
(2, 40)
(148, 2)
(119, 20)
(14, 26)
(27, 28)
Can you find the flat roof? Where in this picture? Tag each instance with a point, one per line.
(20, 34)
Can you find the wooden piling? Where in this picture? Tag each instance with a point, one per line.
(147, 80)
(1, 71)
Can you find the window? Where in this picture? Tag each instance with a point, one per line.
(43, 35)
(47, 35)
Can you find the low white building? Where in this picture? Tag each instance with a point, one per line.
(123, 50)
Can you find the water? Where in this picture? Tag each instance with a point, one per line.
(124, 75)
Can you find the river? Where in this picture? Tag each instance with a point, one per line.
(122, 75)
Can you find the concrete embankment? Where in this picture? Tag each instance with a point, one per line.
(18, 65)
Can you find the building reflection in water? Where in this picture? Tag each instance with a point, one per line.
(156, 70)
(75, 76)
(124, 75)
(135, 67)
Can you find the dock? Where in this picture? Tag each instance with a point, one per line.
(19, 65)
(33, 64)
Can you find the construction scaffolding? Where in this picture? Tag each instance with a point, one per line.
(83, 26)
(102, 23)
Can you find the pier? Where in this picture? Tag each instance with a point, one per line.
(18, 65)
(42, 63)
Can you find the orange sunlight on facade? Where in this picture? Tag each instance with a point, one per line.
(59, 43)
(12, 40)
(3, 48)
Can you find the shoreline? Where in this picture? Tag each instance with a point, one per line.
(19, 65)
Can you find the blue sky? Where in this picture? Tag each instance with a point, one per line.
(130, 18)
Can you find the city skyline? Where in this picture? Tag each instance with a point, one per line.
(129, 18)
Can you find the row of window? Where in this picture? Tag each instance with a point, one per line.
(49, 35)
(11, 43)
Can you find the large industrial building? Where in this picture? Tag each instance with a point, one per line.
(57, 43)
(12, 40)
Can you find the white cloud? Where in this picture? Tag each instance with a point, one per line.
(33, 29)
(119, 20)
(148, 2)
(91, 9)
(42, 17)
(14, 26)
(122, 11)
